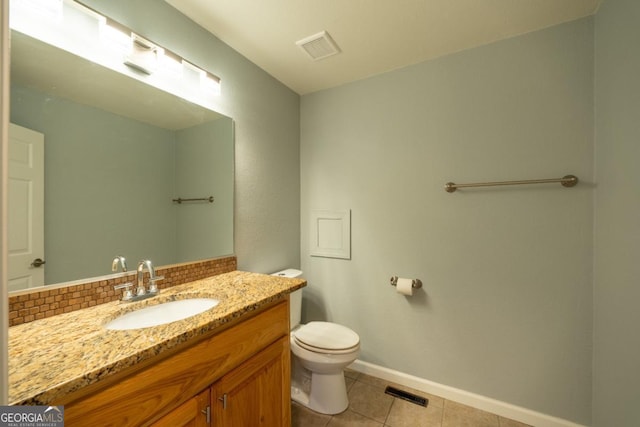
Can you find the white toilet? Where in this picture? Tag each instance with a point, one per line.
(320, 352)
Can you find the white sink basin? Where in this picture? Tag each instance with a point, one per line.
(162, 314)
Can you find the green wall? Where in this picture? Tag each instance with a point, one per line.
(617, 212)
(506, 306)
(204, 167)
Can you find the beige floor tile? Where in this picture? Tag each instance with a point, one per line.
(369, 401)
(369, 406)
(374, 381)
(506, 422)
(352, 419)
(377, 382)
(459, 415)
(407, 414)
(303, 417)
(349, 383)
(350, 373)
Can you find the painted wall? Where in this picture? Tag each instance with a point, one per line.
(266, 116)
(507, 272)
(617, 212)
(203, 169)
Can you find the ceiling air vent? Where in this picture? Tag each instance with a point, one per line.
(319, 46)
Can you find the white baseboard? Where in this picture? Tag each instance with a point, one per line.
(494, 406)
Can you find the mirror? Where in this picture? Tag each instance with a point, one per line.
(117, 152)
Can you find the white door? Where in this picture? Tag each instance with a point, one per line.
(26, 208)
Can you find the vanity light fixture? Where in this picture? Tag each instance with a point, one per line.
(137, 52)
(146, 56)
(210, 83)
(79, 29)
(205, 80)
(143, 55)
(169, 63)
(115, 36)
(51, 9)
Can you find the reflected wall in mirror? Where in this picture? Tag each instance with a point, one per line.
(117, 152)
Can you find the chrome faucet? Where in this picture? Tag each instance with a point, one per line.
(119, 260)
(140, 292)
(153, 288)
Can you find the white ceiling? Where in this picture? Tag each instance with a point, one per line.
(374, 36)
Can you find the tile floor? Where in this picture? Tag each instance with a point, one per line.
(369, 406)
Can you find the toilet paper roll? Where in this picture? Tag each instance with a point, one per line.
(404, 286)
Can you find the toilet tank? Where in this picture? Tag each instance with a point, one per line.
(295, 298)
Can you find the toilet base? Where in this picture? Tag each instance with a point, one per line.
(328, 394)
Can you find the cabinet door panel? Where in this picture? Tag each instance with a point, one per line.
(194, 412)
(257, 392)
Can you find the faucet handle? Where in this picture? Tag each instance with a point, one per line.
(127, 294)
(153, 287)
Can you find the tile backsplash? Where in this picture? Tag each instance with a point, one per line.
(29, 306)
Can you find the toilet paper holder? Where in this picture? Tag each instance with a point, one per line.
(415, 283)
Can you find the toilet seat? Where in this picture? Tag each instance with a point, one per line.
(326, 337)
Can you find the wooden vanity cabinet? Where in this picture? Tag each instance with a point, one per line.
(195, 412)
(239, 376)
(249, 396)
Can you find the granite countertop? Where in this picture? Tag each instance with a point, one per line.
(52, 357)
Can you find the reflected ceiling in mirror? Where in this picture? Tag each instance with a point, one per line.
(117, 152)
(56, 72)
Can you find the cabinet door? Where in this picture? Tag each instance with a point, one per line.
(195, 412)
(256, 393)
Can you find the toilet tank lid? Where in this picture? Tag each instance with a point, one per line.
(289, 272)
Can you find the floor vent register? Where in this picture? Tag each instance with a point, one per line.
(405, 395)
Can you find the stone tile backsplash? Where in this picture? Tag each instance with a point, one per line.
(27, 307)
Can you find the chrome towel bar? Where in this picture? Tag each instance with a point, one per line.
(565, 181)
(204, 199)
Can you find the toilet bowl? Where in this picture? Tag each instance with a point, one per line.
(323, 349)
(320, 352)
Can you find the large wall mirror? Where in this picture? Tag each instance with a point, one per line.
(116, 153)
